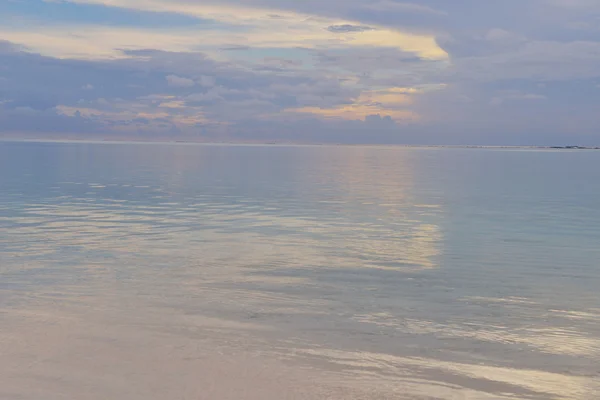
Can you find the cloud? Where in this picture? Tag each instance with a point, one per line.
(512, 95)
(390, 104)
(178, 81)
(282, 62)
(537, 60)
(505, 72)
(235, 48)
(394, 6)
(8, 47)
(207, 81)
(348, 28)
(211, 95)
(237, 26)
(377, 119)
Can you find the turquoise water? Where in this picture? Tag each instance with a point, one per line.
(413, 273)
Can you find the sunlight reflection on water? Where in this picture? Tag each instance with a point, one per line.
(408, 272)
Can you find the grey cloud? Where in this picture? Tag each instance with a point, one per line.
(9, 47)
(156, 98)
(349, 28)
(519, 72)
(502, 36)
(148, 82)
(27, 120)
(377, 119)
(535, 60)
(383, 67)
(492, 114)
(211, 95)
(311, 130)
(515, 95)
(235, 48)
(283, 62)
(393, 6)
(207, 81)
(178, 81)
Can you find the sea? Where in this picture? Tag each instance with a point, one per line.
(139, 271)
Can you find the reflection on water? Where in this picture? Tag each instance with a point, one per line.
(368, 272)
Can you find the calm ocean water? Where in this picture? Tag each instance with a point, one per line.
(141, 271)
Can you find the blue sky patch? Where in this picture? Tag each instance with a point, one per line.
(58, 13)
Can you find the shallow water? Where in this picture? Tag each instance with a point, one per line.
(139, 271)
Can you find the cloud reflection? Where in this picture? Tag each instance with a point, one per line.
(331, 257)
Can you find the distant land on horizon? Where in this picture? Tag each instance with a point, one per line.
(164, 140)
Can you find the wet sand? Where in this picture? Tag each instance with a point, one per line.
(120, 348)
(55, 351)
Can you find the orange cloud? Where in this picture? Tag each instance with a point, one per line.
(390, 102)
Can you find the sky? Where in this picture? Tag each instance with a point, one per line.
(481, 72)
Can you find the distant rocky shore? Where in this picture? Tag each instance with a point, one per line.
(575, 147)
